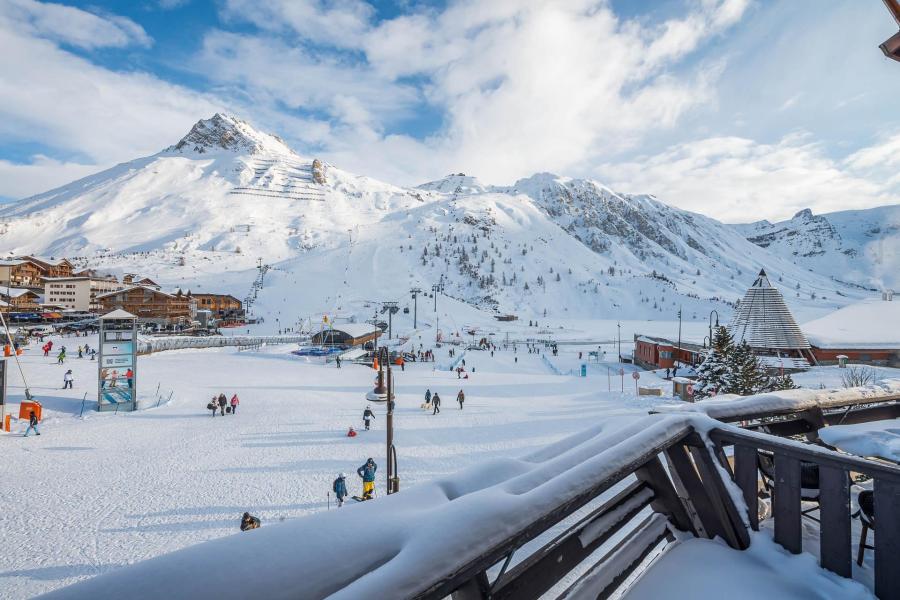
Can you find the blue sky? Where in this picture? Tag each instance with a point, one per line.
(739, 109)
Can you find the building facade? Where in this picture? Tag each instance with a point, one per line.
(223, 307)
(149, 304)
(78, 293)
(19, 299)
(20, 273)
(51, 267)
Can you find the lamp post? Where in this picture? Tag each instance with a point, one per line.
(678, 350)
(393, 479)
(415, 294)
(619, 326)
(711, 325)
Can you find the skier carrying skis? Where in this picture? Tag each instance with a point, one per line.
(32, 423)
(249, 522)
(340, 489)
(461, 397)
(67, 379)
(367, 472)
(436, 402)
(367, 415)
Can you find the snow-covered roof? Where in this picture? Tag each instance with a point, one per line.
(128, 289)
(356, 330)
(868, 324)
(764, 321)
(15, 292)
(118, 314)
(53, 262)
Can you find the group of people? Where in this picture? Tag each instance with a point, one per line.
(426, 355)
(61, 356)
(222, 405)
(366, 472)
(433, 401)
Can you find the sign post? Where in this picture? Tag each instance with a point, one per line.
(635, 375)
(117, 365)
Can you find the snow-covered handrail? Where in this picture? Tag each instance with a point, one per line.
(729, 407)
(148, 345)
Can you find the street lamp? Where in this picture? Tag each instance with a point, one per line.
(415, 294)
(711, 325)
(384, 392)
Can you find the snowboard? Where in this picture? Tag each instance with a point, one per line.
(361, 499)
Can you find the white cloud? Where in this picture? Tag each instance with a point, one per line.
(738, 180)
(64, 102)
(19, 179)
(69, 25)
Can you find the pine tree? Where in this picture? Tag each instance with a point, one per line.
(746, 376)
(713, 372)
(781, 382)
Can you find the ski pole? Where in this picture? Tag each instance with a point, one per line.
(329, 500)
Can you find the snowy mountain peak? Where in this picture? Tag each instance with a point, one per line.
(225, 132)
(455, 183)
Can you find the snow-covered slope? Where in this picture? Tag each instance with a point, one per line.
(202, 213)
(859, 246)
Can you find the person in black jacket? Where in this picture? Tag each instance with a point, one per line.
(32, 424)
(461, 397)
(367, 415)
(249, 522)
(436, 402)
(222, 402)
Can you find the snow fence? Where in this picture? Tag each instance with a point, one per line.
(148, 345)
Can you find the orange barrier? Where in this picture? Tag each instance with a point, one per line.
(6, 422)
(26, 407)
(6, 350)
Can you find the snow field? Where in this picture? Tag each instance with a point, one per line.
(93, 494)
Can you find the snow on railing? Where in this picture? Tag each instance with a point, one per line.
(729, 406)
(149, 345)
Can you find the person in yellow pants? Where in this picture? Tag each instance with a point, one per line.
(367, 472)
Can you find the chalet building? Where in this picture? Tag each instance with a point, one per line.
(866, 332)
(661, 353)
(347, 334)
(131, 279)
(20, 273)
(79, 293)
(51, 267)
(19, 299)
(149, 304)
(223, 307)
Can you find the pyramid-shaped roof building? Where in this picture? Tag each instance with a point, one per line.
(764, 321)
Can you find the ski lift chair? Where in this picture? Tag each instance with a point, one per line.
(809, 481)
(866, 515)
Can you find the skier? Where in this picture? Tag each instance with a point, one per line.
(234, 404)
(249, 522)
(222, 402)
(67, 379)
(93, 354)
(46, 349)
(80, 355)
(337, 361)
(32, 423)
(402, 364)
(436, 402)
(213, 405)
(461, 397)
(367, 472)
(427, 396)
(340, 489)
(367, 415)
(61, 357)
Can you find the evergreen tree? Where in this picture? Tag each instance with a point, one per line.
(746, 376)
(713, 371)
(781, 382)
